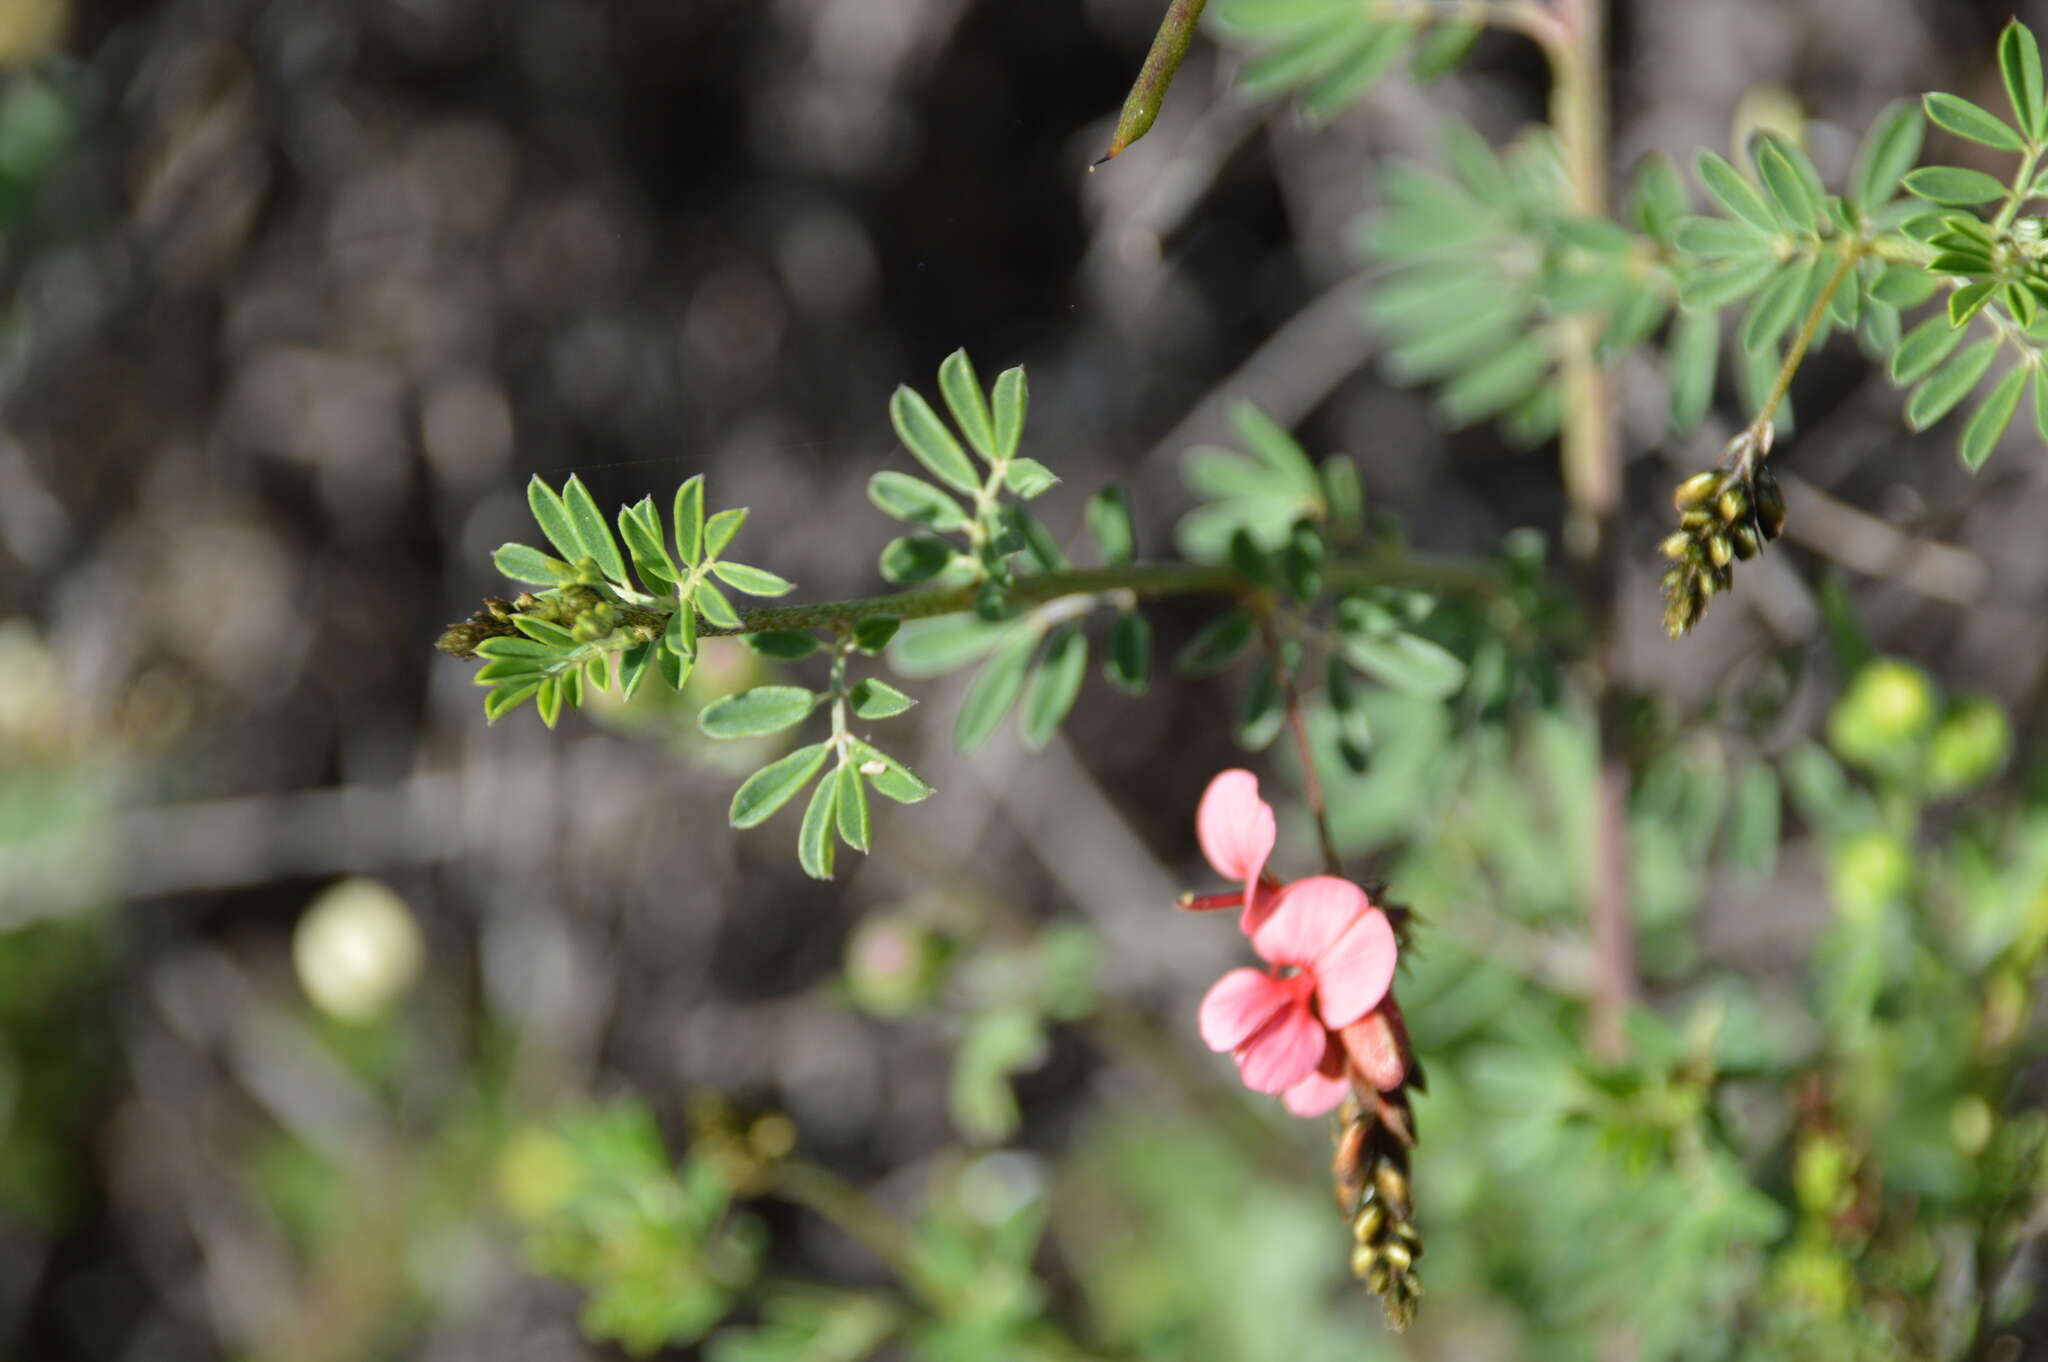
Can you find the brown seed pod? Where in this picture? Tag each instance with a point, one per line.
(1770, 504)
(1746, 542)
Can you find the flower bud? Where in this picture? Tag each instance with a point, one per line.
(1674, 546)
(1694, 490)
(1888, 708)
(1733, 504)
(893, 965)
(1770, 504)
(1747, 546)
(1720, 550)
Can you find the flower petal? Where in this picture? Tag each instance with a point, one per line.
(1238, 1004)
(1376, 1046)
(1235, 826)
(1261, 896)
(1285, 1050)
(1308, 919)
(1355, 972)
(1315, 1095)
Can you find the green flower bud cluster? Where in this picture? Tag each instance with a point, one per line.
(1724, 515)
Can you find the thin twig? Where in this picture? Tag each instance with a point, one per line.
(1311, 782)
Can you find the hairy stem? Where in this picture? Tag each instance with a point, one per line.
(1591, 454)
(1136, 579)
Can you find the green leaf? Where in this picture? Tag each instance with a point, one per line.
(1734, 193)
(1991, 418)
(720, 529)
(872, 699)
(815, 847)
(2019, 62)
(1275, 448)
(1218, 644)
(507, 646)
(915, 558)
(1443, 47)
(992, 692)
(1108, 517)
(1028, 478)
(1965, 119)
(933, 647)
(1054, 686)
(1357, 66)
(1693, 357)
(1952, 186)
(930, 442)
(640, 527)
(510, 668)
(1657, 198)
(1949, 384)
(784, 644)
(1129, 663)
(504, 699)
(680, 634)
(1406, 662)
(916, 501)
(1723, 238)
(962, 391)
(1501, 380)
(871, 633)
(1925, 346)
(1774, 309)
(750, 713)
(553, 519)
(890, 777)
(1967, 301)
(547, 701)
(2041, 403)
(1013, 399)
(689, 518)
(851, 799)
(523, 564)
(1888, 152)
(752, 580)
(636, 664)
(1787, 185)
(540, 631)
(1904, 286)
(1717, 285)
(591, 530)
(675, 667)
(713, 605)
(775, 784)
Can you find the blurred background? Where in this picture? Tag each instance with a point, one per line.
(299, 958)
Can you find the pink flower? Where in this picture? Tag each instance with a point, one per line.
(1333, 955)
(1237, 832)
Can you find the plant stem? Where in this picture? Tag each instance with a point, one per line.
(1133, 580)
(1758, 444)
(1591, 458)
(1311, 782)
(853, 1212)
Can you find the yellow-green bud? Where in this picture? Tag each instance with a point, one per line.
(1968, 747)
(1888, 708)
(1733, 504)
(1694, 490)
(1674, 546)
(1720, 550)
(1745, 541)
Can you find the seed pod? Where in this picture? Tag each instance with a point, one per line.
(1675, 545)
(1366, 1226)
(1720, 550)
(1745, 541)
(1698, 518)
(1770, 504)
(1364, 1259)
(1694, 490)
(1733, 504)
(1398, 1257)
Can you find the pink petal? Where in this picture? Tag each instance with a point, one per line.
(1235, 826)
(1285, 1050)
(1375, 1046)
(1310, 916)
(1260, 898)
(1238, 1004)
(1315, 1095)
(1354, 973)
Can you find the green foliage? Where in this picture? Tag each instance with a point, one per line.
(658, 1248)
(1332, 52)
